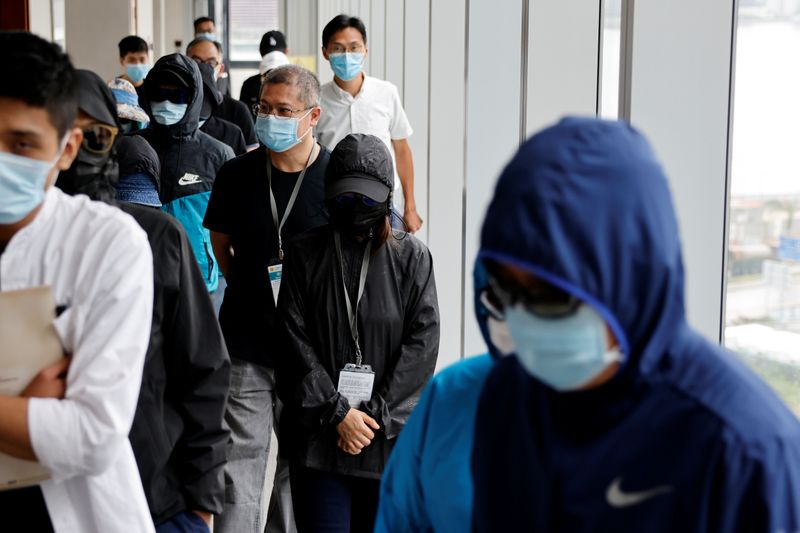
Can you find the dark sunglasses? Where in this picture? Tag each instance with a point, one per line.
(99, 138)
(541, 299)
(349, 198)
(176, 96)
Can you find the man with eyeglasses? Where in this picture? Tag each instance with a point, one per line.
(260, 201)
(603, 408)
(356, 103)
(190, 159)
(210, 53)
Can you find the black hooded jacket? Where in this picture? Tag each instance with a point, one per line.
(178, 435)
(219, 128)
(190, 160)
(398, 322)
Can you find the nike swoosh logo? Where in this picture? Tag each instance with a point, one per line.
(189, 179)
(616, 498)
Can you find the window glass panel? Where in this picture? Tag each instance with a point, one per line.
(762, 319)
(249, 20)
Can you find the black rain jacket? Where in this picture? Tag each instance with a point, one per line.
(398, 322)
(178, 434)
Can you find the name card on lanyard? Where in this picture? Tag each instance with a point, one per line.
(275, 268)
(355, 380)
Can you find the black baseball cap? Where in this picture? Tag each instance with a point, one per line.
(271, 41)
(361, 164)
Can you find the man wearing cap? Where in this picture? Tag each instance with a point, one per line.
(359, 316)
(190, 159)
(210, 53)
(131, 116)
(273, 52)
(178, 435)
(260, 201)
(356, 103)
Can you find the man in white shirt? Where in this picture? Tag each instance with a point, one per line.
(74, 417)
(356, 103)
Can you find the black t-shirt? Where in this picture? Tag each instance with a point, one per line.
(251, 91)
(236, 112)
(240, 207)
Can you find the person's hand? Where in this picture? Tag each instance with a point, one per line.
(51, 382)
(412, 219)
(206, 517)
(354, 431)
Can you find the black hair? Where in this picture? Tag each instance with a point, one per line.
(198, 41)
(201, 20)
(340, 22)
(39, 74)
(132, 44)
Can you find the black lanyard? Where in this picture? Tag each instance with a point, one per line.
(352, 314)
(274, 205)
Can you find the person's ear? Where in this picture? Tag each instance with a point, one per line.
(122, 61)
(325, 54)
(315, 114)
(71, 149)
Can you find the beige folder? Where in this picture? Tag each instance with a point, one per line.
(28, 343)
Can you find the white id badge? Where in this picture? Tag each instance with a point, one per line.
(355, 383)
(275, 274)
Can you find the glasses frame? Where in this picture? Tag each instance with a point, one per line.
(114, 133)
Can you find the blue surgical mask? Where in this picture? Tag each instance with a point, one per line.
(168, 113)
(347, 66)
(22, 182)
(278, 133)
(564, 353)
(206, 36)
(137, 72)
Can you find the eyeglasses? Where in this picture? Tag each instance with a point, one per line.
(282, 112)
(339, 49)
(99, 138)
(213, 63)
(541, 299)
(350, 198)
(176, 96)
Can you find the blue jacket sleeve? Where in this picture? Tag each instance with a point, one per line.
(760, 488)
(402, 505)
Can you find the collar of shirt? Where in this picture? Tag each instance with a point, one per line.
(344, 95)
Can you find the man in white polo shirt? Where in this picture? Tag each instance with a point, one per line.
(356, 103)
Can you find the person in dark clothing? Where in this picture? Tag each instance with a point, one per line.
(190, 159)
(360, 320)
(178, 435)
(273, 52)
(249, 233)
(139, 169)
(210, 53)
(134, 57)
(222, 130)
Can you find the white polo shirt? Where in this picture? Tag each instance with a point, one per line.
(98, 262)
(375, 110)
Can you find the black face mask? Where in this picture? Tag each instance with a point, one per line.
(91, 174)
(356, 218)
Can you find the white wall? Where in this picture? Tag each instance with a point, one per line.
(93, 30)
(678, 89)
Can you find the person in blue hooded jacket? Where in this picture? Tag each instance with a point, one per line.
(612, 414)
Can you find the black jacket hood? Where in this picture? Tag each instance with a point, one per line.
(188, 71)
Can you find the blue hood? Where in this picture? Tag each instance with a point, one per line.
(586, 206)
